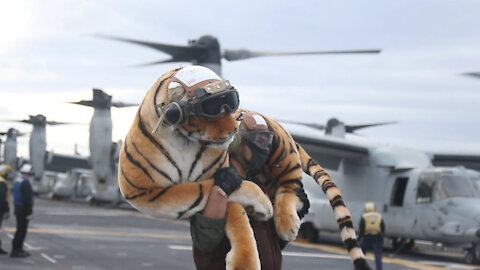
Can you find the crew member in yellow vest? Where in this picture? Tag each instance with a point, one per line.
(4, 198)
(371, 232)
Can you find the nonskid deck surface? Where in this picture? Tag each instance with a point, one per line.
(71, 235)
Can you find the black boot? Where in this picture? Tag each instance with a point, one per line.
(18, 254)
(3, 252)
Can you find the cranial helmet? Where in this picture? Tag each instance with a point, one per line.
(208, 96)
(369, 207)
(4, 169)
(26, 168)
(253, 132)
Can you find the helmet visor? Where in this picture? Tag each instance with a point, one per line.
(258, 138)
(214, 105)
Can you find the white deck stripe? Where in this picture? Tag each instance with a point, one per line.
(48, 258)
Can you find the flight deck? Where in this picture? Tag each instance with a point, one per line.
(73, 235)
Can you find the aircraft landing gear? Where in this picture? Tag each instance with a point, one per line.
(473, 254)
(402, 244)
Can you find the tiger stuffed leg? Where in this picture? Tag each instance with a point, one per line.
(168, 159)
(281, 177)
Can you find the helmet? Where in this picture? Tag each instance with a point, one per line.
(369, 207)
(5, 169)
(26, 168)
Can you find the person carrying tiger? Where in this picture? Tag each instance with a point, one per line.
(260, 153)
(175, 154)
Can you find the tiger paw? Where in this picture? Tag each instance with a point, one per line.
(287, 224)
(244, 259)
(255, 202)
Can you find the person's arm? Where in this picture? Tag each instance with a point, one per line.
(361, 228)
(27, 195)
(3, 198)
(208, 228)
(382, 227)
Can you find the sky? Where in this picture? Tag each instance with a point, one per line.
(49, 55)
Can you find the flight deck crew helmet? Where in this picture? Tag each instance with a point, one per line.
(253, 132)
(5, 169)
(369, 207)
(26, 169)
(206, 95)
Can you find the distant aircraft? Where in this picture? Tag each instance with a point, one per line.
(417, 198)
(205, 51)
(38, 155)
(10, 148)
(103, 152)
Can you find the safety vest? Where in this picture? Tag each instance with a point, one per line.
(17, 191)
(373, 223)
(7, 195)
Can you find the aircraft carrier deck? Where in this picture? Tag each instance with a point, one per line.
(72, 235)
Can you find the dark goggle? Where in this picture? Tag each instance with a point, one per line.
(258, 138)
(214, 105)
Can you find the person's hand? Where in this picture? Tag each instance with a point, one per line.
(227, 179)
(6, 215)
(304, 199)
(29, 217)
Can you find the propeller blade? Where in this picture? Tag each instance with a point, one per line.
(82, 102)
(232, 55)
(179, 53)
(472, 74)
(120, 104)
(18, 121)
(54, 123)
(312, 125)
(352, 128)
(171, 60)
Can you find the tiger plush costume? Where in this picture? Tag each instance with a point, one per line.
(166, 170)
(281, 177)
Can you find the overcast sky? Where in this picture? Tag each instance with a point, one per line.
(48, 56)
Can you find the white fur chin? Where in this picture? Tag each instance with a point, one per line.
(213, 144)
(223, 145)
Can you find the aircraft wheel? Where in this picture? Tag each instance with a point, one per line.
(310, 232)
(409, 244)
(473, 254)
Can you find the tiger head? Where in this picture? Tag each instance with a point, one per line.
(198, 105)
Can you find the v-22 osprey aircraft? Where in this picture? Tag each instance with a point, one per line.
(424, 196)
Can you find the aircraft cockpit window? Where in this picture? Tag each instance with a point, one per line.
(439, 185)
(476, 183)
(449, 185)
(424, 192)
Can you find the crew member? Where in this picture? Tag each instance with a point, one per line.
(371, 232)
(248, 154)
(23, 201)
(4, 198)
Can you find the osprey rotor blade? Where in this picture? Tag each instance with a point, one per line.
(472, 74)
(232, 55)
(120, 104)
(312, 125)
(179, 53)
(352, 128)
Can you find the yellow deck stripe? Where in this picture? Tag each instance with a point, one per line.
(90, 232)
(369, 256)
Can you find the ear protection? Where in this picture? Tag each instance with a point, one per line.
(176, 112)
